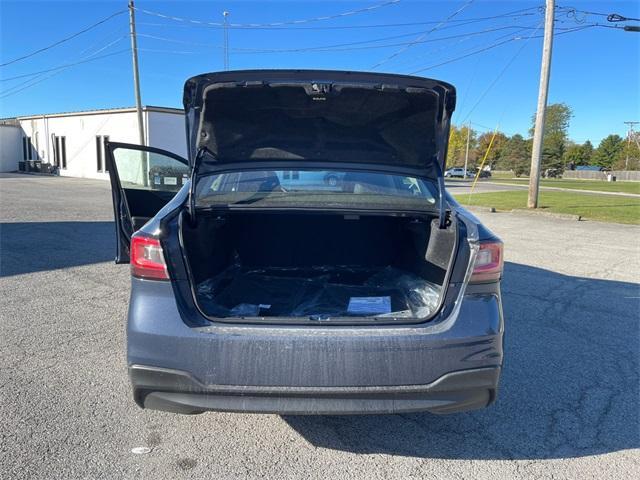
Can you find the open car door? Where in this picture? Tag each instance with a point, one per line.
(143, 180)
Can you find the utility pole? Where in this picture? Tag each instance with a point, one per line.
(136, 76)
(466, 155)
(225, 14)
(538, 135)
(629, 136)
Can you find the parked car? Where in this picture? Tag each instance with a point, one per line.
(305, 179)
(247, 295)
(472, 172)
(458, 173)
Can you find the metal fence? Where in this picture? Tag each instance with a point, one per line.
(621, 175)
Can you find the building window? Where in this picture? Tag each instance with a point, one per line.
(56, 152)
(27, 149)
(99, 167)
(63, 152)
(60, 151)
(101, 154)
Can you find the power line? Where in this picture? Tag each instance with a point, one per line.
(66, 39)
(572, 12)
(348, 46)
(203, 24)
(273, 24)
(502, 72)
(34, 81)
(495, 45)
(352, 45)
(486, 128)
(67, 65)
(86, 53)
(422, 36)
(338, 46)
(162, 50)
(59, 71)
(450, 47)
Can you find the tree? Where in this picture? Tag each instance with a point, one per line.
(609, 151)
(496, 153)
(558, 116)
(630, 150)
(578, 154)
(458, 145)
(516, 155)
(587, 149)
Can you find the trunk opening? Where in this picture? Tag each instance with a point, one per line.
(318, 266)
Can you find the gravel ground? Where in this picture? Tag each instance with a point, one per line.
(568, 406)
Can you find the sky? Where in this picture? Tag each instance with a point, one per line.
(493, 62)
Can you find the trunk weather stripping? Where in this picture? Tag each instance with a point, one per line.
(444, 219)
(192, 185)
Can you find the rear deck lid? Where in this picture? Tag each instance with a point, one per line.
(306, 117)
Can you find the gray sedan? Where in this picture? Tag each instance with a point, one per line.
(257, 286)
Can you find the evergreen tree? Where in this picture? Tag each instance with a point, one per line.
(609, 151)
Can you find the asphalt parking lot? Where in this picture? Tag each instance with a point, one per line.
(568, 406)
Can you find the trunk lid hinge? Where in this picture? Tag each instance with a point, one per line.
(193, 181)
(444, 215)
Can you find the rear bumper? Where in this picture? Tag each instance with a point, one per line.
(442, 367)
(179, 392)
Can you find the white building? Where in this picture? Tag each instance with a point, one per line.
(74, 141)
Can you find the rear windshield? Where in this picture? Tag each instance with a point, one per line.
(315, 188)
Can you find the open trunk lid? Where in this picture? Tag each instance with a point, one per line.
(245, 119)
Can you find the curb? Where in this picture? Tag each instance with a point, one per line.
(524, 211)
(576, 190)
(559, 216)
(472, 208)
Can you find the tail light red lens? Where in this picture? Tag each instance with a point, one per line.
(147, 258)
(489, 263)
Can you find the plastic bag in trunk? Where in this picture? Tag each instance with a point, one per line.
(318, 292)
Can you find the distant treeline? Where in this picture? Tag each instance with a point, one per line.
(559, 152)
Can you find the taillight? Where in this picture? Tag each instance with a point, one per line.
(147, 258)
(489, 263)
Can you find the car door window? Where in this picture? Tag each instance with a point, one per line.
(143, 170)
(143, 180)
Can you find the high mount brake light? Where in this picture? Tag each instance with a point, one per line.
(147, 258)
(489, 263)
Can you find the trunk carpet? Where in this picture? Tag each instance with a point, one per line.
(335, 291)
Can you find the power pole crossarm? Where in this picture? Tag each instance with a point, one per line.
(136, 75)
(538, 135)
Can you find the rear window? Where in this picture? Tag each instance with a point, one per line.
(315, 188)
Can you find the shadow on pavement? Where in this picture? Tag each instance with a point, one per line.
(569, 386)
(40, 246)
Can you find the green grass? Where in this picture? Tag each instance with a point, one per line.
(501, 175)
(595, 185)
(605, 208)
